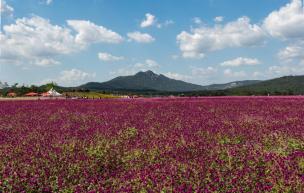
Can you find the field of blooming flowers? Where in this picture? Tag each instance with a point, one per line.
(153, 145)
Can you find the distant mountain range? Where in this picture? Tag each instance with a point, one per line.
(143, 81)
(231, 85)
(149, 81)
(283, 85)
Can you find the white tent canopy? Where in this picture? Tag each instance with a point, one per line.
(52, 92)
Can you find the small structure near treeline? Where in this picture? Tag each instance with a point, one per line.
(11, 94)
(51, 93)
(31, 94)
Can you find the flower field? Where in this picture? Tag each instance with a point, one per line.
(229, 144)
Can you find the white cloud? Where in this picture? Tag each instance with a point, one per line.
(45, 62)
(288, 22)
(240, 61)
(123, 72)
(36, 41)
(203, 72)
(148, 21)
(238, 33)
(106, 57)
(177, 76)
(292, 54)
(165, 24)
(89, 32)
(193, 54)
(257, 74)
(151, 20)
(6, 9)
(197, 20)
(281, 70)
(219, 19)
(74, 76)
(140, 37)
(48, 2)
(234, 74)
(284, 70)
(148, 64)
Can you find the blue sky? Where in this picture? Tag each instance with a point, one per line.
(200, 41)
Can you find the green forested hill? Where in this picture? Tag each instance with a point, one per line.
(287, 85)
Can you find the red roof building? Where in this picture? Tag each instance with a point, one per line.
(45, 94)
(11, 94)
(31, 94)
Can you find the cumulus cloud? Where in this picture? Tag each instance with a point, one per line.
(219, 19)
(35, 39)
(6, 9)
(284, 70)
(203, 72)
(239, 33)
(240, 61)
(234, 74)
(45, 62)
(148, 21)
(293, 61)
(38, 42)
(165, 24)
(287, 22)
(257, 74)
(151, 20)
(140, 37)
(177, 76)
(148, 64)
(123, 72)
(89, 32)
(73, 76)
(106, 57)
(292, 53)
(197, 20)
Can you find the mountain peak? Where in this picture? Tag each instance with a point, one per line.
(147, 73)
(145, 80)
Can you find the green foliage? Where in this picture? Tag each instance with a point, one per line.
(281, 144)
(128, 134)
(110, 154)
(50, 85)
(90, 95)
(301, 165)
(226, 140)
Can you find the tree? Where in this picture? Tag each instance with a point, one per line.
(15, 85)
(50, 85)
